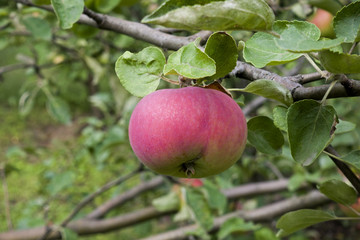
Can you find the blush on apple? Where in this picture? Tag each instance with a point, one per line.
(192, 182)
(189, 132)
(323, 20)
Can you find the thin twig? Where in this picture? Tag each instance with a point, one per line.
(253, 105)
(91, 197)
(310, 77)
(117, 201)
(98, 192)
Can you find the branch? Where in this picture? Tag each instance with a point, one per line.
(87, 226)
(254, 105)
(251, 189)
(133, 29)
(269, 212)
(345, 88)
(90, 198)
(247, 71)
(101, 190)
(103, 209)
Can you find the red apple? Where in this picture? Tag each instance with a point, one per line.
(192, 182)
(348, 212)
(189, 132)
(323, 20)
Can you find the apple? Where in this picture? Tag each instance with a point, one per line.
(323, 20)
(192, 182)
(190, 132)
(348, 212)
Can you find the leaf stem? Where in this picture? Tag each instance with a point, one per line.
(328, 92)
(235, 89)
(309, 59)
(169, 80)
(353, 210)
(353, 47)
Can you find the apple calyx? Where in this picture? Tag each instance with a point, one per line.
(189, 167)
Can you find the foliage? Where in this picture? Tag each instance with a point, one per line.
(60, 70)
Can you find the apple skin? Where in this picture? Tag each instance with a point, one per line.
(190, 132)
(192, 182)
(348, 212)
(323, 20)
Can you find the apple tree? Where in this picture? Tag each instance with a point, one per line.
(200, 68)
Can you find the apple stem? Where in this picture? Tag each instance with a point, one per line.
(188, 168)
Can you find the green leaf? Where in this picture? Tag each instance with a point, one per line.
(27, 101)
(199, 233)
(301, 37)
(3, 40)
(213, 15)
(264, 136)
(269, 89)
(296, 181)
(265, 234)
(59, 182)
(279, 115)
(339, 192)
(197, 202)
(215, 198)
(347, 22)
(106, 6)
(140, 73)
(68, 234)
(14, 153)
(309, 127)
(344, 127)
(235, 225)
(59, 110)
(340, 62)
(39, 28)
(222, 48)
(332, 6)
(189, 61)
(300, 219)
(68, 11)
(261, 49)
(353, 158)
(95, 68)
(167, 203)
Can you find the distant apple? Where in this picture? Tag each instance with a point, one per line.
(323, 20)
(348, 212)
(190, 132)
(192, 182)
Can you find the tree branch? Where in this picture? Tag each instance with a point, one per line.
(106, 207)
(345, 88)
(90, 198)
(87, 226)
(266, 213)
(243, 70)
(133, 29)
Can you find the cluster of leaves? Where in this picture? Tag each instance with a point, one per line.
(301, 130)
(309, 125)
